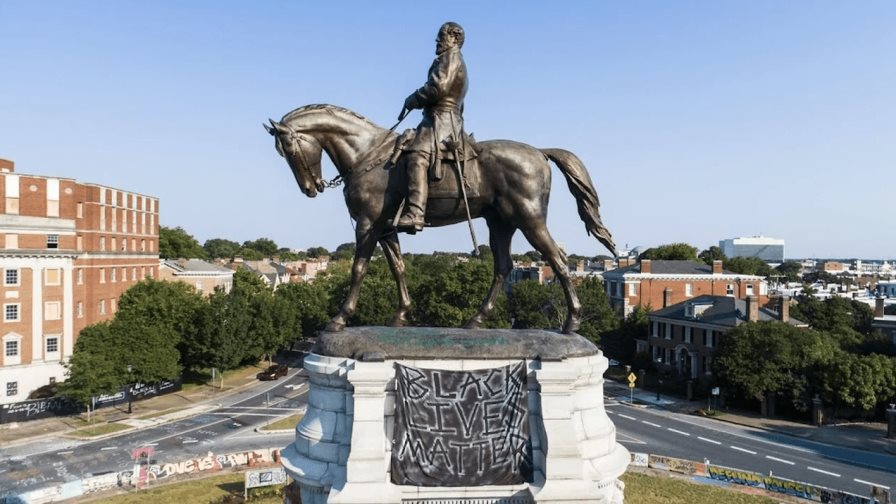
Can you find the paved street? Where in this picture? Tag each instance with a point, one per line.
(224, 427)
(656, 431)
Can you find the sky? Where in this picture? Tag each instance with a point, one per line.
(698, 121)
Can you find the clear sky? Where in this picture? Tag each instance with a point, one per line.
(698, 121)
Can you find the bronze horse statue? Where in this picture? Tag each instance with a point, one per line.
(512, 194)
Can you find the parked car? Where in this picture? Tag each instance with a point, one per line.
(273, 372)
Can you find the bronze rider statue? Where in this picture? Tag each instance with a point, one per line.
(442, 101)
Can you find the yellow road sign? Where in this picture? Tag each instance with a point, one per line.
(632, 379)
(631, 384)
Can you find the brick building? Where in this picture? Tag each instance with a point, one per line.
(204, 276)
(659, 283)
(682, 337)
(68, 251)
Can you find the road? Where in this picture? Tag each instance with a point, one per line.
(656, 431)
(226, 428)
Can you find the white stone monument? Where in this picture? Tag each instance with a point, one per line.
(345, 444)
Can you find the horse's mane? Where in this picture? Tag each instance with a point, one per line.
(332, 109)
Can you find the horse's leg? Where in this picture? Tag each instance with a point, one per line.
(365, 239)
(392, 251)
(538, 235)
(500, 235)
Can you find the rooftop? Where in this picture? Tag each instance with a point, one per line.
(717, 310)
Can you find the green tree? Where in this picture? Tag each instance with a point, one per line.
(791, 359)
(175, 243)
(286, 255)
(748, 266)
(820, 276)
(847, 320)
(447, 290)
(620, 344)
(711, 254)
(598, 317)
(789, 270)
(264, 246)
(859, 381)
(345, 252)
(316, 252)
(219, 248)
(536, 306)
(94, 367)
(671, 252)
(308, 303)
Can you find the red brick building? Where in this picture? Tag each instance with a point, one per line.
(68, 251)
(659, 284)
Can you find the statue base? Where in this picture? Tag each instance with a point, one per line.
(343, 452)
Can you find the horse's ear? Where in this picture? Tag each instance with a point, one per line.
(269, 129)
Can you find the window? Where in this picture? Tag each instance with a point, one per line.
(133, 244)
(134, 274)
(79, 242)
(11, 312)
(142, 245)
(688, 290)
(79, 212)
(12, 388)
(102, 275)
(708, 338)
(80, 276)
(656, 330)
(749, 289)
(12, 241)
(52, 276)
(80, 309)
(52, 310)
(124, 274)
(11, 348)
(102, 243)
(113, 303)
(102, 306)
(52, 241)
(12, 276)
(668, 331)
(113, 275)
(632, 289)
(687, 334)
(729, 290)
(114, 244)
(52, 345)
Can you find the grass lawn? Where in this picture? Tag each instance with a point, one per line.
(284, 423)
(99, 430)
(639, 488)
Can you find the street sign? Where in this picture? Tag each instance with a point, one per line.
(715, 391)
(632, 379)
(631, 384)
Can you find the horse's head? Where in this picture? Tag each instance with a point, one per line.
(302, 153)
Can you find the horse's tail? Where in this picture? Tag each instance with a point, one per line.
(583, 190)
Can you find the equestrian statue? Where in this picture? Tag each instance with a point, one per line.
(434, 176)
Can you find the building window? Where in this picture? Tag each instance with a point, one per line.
(112, 275)
(12, 241)
(102, 306)
(80, 276)
(52, 241)
(12, 276)
(11, 312)
(12, 388)
(749, 289)
(113, 304)
(114, 244)
(79, 242)
(729, 290)
(52, 276)
(133, 244)
(142, 245)
(667, 331)
(52, 310)
(102, 275)
(52, 345)
(102, 243)
(687, 334)
(707, 338)
(688, 290)
(80, 309)
(134, 274)
(632, 289)
(656, 330)
(79, 212)
(11, 348)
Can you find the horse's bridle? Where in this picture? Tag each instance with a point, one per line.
(294, 146)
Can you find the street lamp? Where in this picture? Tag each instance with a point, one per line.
(130, 389)
(659, 361)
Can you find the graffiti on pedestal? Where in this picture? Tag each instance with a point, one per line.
(461, 428)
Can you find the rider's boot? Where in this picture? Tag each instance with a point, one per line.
(413, 218)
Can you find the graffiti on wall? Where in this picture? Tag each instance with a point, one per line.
(677, 465)
(790, 487)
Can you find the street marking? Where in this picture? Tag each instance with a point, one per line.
(677, 431)
(189, 441)
(65, 452)
(823, 471)
(708, 440)
(109, 448)
(857, 480)
(776, 459)
(248, 414)
(261, 407)
(651, 424)
(626, 416)
(751, 452)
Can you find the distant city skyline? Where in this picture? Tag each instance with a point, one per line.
(697, 121)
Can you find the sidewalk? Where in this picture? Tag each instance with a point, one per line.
(861, 436)
(194, 399)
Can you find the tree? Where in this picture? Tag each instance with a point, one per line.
(345, 251)
(791, 358)
(712, 254)
(847, 320)
(316, 252)
(820, 276)
(264, 246)
(94, 367)
(308, 303)
(671, 252)
(286, 255)
(859, 381)
(620, 344)
(535, 306)
(447, 290)
(175, 243)
(790, 270)
(250, 254)
(748, 266)
(219, 248)
(598, 317)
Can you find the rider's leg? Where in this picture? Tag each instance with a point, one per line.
(418, 189)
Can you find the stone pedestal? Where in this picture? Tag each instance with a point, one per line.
(342, 452)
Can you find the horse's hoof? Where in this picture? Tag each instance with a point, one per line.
(334, 326)
(398, 320)
(571, 326)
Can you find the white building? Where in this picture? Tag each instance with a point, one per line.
(770, 250)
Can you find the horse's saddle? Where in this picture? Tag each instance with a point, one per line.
(445, 173)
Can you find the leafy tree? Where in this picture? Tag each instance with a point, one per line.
(447, 291)
(287, 255)
(620, 343)
(308, 302)
(223, 328)
(711, 254)
(250, 254)
(345, 252)
(748, 266)
(94, 367)
(219, 248)
(847, 320)
(264, 246)
(533, 255)
(536, 306)
(860, 381)
(820, 276)
(316, 252)
(175, 243)
(598, 317)
(671, 252)
(790, 270)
